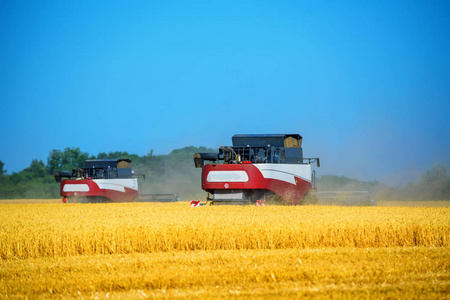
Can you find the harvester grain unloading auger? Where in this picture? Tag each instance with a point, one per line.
(265, 168)
(106, 180)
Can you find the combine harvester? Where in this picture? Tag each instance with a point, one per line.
(262, 168)
(106, 180)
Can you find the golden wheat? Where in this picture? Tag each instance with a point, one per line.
(52, 230)
(429, 203)
(141, 250)
(400, 273)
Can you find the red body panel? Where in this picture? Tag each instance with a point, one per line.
(293, 193)
(95, 191)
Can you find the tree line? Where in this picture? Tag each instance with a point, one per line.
(175, 173)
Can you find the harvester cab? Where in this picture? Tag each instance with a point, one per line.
(257, 168)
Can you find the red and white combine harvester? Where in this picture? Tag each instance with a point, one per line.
(258, 167)
(106, 180)
(266, 167)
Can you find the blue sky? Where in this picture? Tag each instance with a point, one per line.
(366, 83)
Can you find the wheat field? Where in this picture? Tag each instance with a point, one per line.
(142, 250)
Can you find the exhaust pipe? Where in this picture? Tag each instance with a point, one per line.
(199, 158)
(63, 174)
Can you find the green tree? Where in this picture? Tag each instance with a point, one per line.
(2, 171)
(36, 169)
(3, 178)
(31, 182)
(66, 160)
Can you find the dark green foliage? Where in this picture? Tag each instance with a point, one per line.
(2, 173)
(66, 160)
(2, 165)
(32, 182)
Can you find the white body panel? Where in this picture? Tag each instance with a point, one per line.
(117, 184)
(285, 172)
(227, 176)
(76, 188)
